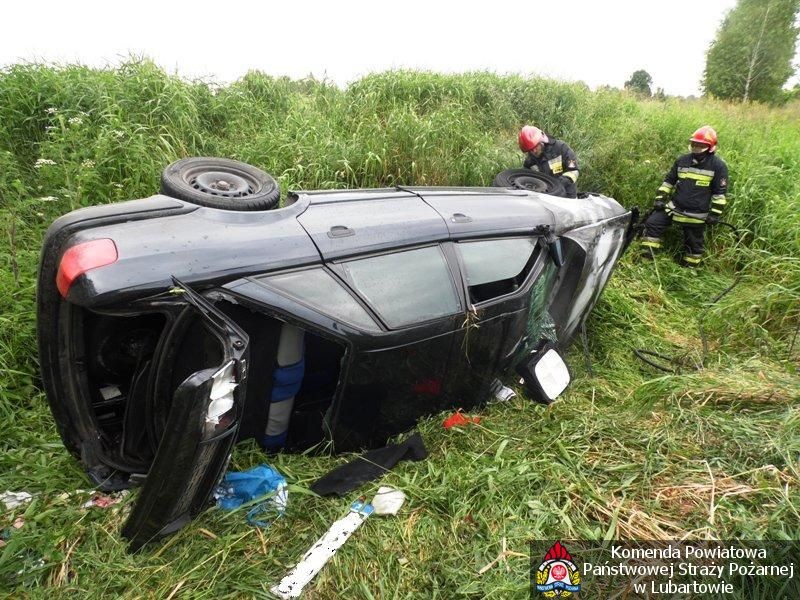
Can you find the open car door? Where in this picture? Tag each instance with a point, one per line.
(198, 426)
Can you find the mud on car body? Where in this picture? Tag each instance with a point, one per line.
(170, 327)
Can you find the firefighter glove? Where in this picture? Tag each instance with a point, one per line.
(659, 205)
(712, 218)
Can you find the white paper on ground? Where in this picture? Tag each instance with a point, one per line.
(12, 500)
(388, 501)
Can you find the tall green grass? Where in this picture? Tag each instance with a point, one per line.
(629, 451)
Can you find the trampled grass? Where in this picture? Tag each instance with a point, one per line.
(630, 452)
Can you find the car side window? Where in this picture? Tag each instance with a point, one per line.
(495, 268)
(406, 287)
(321, 291)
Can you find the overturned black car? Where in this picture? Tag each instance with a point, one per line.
(172, 326)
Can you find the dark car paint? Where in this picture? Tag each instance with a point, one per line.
(170, 497)
(454, 359)
(203, 245)
(56, 319)
(486, 214)
(388, 378)
(415, 223)
(210, 246)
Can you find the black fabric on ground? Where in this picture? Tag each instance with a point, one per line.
(369, 466)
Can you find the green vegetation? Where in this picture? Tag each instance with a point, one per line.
(629, 452)
(640, 83)
(751, 57)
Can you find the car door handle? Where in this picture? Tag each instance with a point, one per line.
(460, 218)
(338, 231)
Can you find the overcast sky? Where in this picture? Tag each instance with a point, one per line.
(600, 42)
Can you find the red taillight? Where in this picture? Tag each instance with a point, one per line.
(79, 259)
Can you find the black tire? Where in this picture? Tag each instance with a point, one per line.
(220, 183)
(526, 179)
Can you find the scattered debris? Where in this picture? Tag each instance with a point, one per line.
(323, 549)
(388, 501)
(458, 419)
(238, 488)
(14, 499)
(105, 500)
(63, 496)
(6, 533)
(369, 466)
(501, 392)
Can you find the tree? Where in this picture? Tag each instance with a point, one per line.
(639, 83)
(793, 94)
(751, 57)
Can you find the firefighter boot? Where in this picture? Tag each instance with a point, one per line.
(691, 261)
(649, 247)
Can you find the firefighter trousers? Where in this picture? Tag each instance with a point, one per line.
(693, 236)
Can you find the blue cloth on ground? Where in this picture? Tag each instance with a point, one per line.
(238, 488)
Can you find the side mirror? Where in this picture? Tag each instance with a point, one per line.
(545, 373)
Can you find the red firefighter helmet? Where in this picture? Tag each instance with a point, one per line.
(705, 135)
(530, 137)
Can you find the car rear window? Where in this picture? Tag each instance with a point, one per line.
(495, 268)
(405, 287)
(321, 291)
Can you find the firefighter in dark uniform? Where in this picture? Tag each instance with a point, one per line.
(698, 182)
(549, 156)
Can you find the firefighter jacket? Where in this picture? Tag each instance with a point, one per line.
(699, 188)
(559, 160)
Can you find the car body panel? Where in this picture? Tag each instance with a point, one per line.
(488, 214)
(346, 228)
(598, 247)
(199, 246)
(387, 390)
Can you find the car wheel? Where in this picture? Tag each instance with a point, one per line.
(526, 179)
(220, 183)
